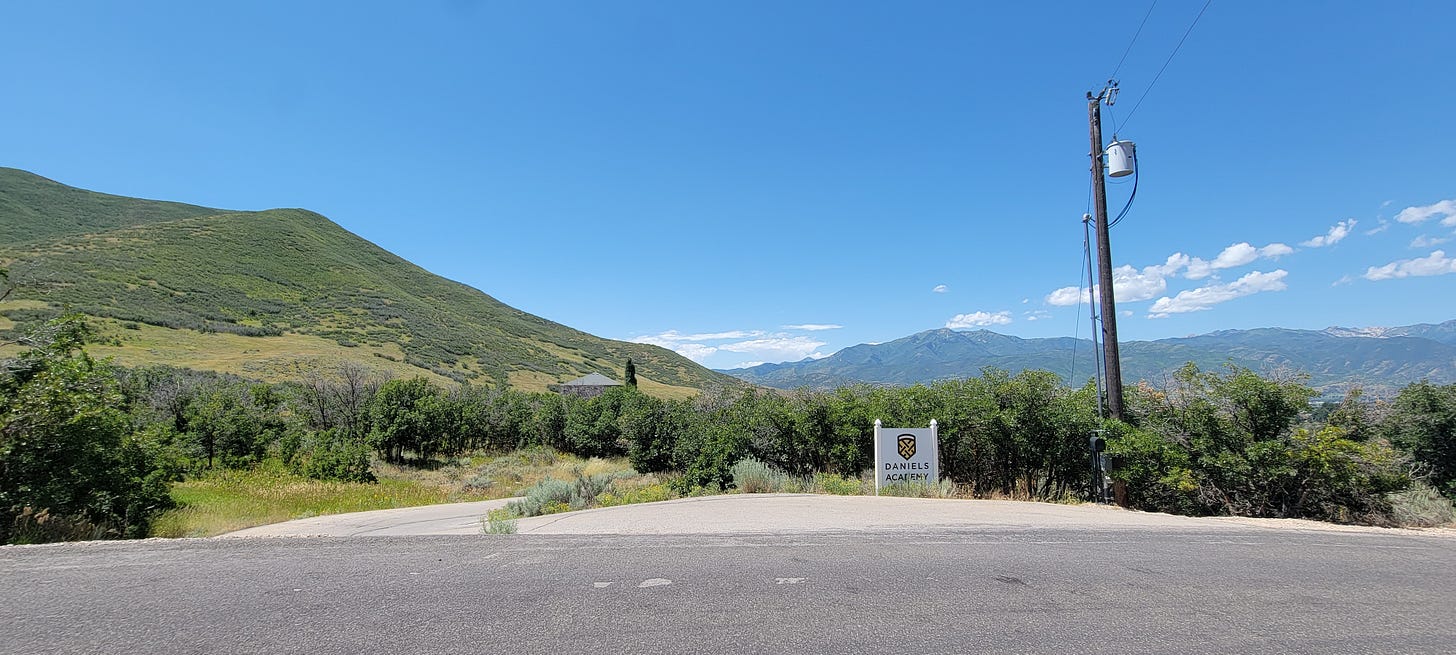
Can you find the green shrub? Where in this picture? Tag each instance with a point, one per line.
(329, 455)
(945, 489)
(70, 464)
(838, 485)
(650, 493)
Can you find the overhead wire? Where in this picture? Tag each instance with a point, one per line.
(1169, 60)
(1118, 67)
(1082, 268)
(1113, 76)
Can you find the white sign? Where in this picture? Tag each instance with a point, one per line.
(906, 455)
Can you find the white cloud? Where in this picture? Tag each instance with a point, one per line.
(1206, 297)
(761, 345)
(1337, 233)
(1131, 285)
(1424, 241)
(1238, 254)
(674, 337)
(1437, 263)
(1068, 296)
(694, 351)
(813, 327)
(1444, 210)
(978, 319)
(1275, 250)
(1037, 315)
(940, 288)
(1383, 226)
(747, 364)
(777, 348)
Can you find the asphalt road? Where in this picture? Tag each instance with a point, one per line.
(945, 589)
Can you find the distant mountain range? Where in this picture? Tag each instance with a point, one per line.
(1379, 360)
(261, 293)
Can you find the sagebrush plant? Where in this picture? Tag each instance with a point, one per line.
(552, 495)
(1421, 506)
(751, 476)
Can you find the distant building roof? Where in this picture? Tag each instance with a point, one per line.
(593, 380)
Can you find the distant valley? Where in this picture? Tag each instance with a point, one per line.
(1378, 360)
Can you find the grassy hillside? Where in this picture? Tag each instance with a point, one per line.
(33, 208)
(230, 282)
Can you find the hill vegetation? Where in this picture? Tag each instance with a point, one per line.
(88, 450)
(282, 275)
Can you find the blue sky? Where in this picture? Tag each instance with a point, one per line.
(765, 181)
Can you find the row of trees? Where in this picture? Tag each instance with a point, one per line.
(87, 449)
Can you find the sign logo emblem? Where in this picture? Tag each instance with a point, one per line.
(907, 446)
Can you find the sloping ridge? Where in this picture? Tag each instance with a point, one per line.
(1332, 360)
(286, 270)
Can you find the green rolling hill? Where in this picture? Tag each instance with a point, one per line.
(260, 293)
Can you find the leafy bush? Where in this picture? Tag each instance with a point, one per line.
(329, 455)
(69, 464)
(1422, 420)
(1227, 444)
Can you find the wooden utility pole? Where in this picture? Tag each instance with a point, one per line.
(1111, 361)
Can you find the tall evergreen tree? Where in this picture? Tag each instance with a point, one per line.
(631, 374)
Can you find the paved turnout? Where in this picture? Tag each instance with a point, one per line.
(765, 514)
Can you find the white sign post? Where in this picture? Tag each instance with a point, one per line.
(906, 455)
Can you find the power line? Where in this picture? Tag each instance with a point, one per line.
(1113, 76)
(1139, 103)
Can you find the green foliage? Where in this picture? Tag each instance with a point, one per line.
(1422, 420)
(500, 521)
(838, 485)
(330, 455)
(630, 374)
(70, 465)
(593, 426)
(651, 428)
(707, 454)
(625, 494)
(944, 489)
(407, 415)
(232, 424)
(1228, 444)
